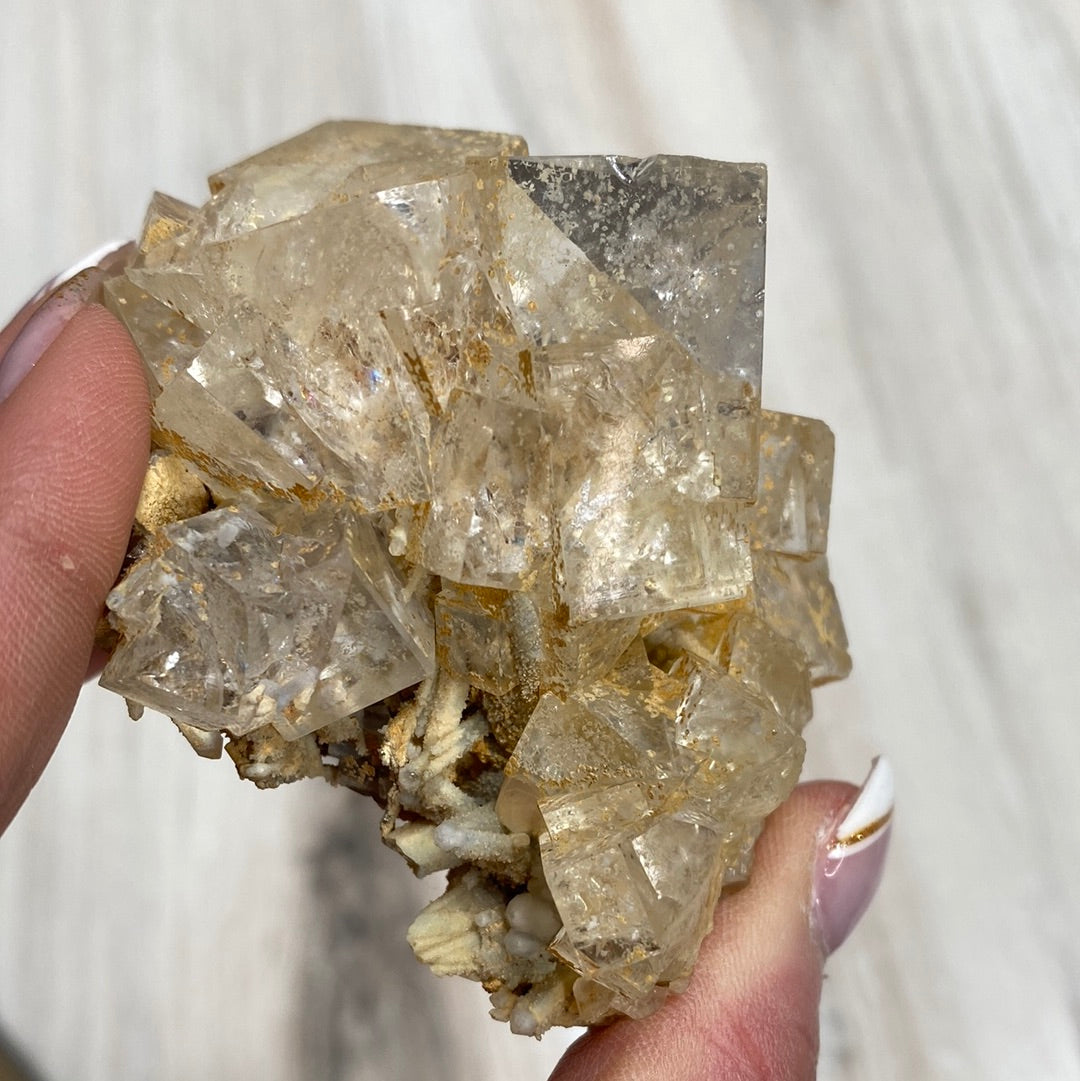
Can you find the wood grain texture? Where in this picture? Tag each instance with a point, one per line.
(160, 919)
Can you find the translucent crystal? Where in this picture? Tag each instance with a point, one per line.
(687, 238)
(796, 598)
(487, 522)
(641, 523)
(795, 485)
(577, 654)
(168, 226)
(335, 159)
(236, 625)
(771, 666)
(232, 367)
(462, 497)
(166, 341)
(473, 637)
(568, 746)
(741, 745)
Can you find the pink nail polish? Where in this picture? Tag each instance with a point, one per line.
(60, 298)
(849, 871)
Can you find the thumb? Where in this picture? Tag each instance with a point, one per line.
(74, 439)
(751, 1010)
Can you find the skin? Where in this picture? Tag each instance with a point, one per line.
(74, 440)
(751, 1010)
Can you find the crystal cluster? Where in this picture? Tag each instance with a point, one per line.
(463, 497)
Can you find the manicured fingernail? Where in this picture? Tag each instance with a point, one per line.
(850, 867)
(58, 300)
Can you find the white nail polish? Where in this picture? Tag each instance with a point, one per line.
(869, 814)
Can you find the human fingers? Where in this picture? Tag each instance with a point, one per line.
(751, 1010)
(58, 300)
(74, 440)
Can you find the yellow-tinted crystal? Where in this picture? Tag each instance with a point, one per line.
(470, 506)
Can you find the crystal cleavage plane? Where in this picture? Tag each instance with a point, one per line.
(462, 496)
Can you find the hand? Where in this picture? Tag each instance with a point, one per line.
(751, 1010)
(74, 441)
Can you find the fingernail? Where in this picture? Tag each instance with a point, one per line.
(58, 300)
(850, 867)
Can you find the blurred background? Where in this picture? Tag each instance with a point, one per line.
(161, 919)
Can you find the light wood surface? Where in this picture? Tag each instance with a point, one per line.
(159, 919)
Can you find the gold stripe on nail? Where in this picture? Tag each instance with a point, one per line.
(863, 834)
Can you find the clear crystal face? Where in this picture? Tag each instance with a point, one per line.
(462, 497)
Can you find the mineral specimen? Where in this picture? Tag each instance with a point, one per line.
(463, 497)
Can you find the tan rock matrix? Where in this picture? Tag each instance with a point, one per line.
(463, 497)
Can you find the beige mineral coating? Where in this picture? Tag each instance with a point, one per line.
(476, 513)
(170, 493)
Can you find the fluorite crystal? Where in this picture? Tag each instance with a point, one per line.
(462, 497)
